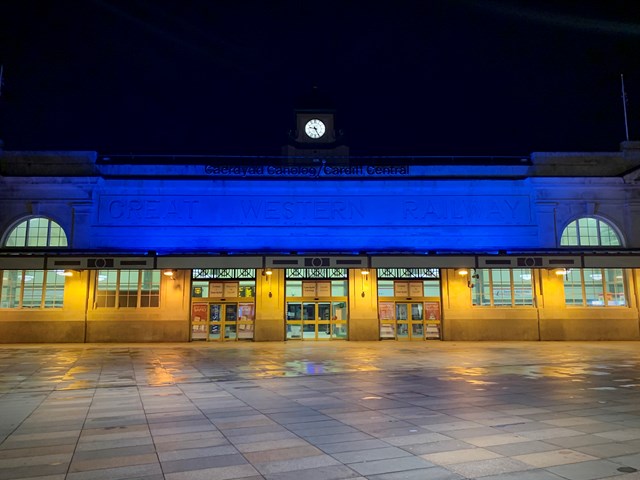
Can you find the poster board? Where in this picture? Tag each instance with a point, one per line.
(197, 292)
(215, 312)
(401, 289)
(230, 290)
(432, 311)
(433, 330)
(198, 332)
(309, 289)
(216, 289)
(387, 330)
(386, 310)
(245, 330)
(246, 311)
(323, 289)
(416, 289)
(199, 312)
(214, 331)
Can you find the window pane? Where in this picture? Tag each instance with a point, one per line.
(106, 289)
(339, 288)
(294, 311)
(608, 237)
(38, 232)
(18, 237)
(32, 292)
(588, 230)
(482, 288)
(294, 288)
(570, 235)
(128, 288)
(614, 281)
(57, 237)
(11, 289)
(339, 311)
(150, 288)
(501, 287)
(593, 286)
(573, 288)
(432, 288)
(522, 286)
(385, 288)
(54, 290)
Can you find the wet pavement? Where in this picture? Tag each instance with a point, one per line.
(321, 411)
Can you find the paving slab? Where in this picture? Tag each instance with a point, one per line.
(321, 411)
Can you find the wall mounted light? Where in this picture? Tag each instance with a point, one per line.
(560, 271)
(168, 272)
(365, 276)
(267, 272)
(472, 278)
(65, 273)
(463, 272)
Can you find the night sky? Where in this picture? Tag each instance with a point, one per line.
(457, 77)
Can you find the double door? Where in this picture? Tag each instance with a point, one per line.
(223, 321)
(316, 320)
(410, 321)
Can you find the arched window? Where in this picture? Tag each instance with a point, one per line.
(593, 287)
(36, 232)
(590, 232)
(33, 288)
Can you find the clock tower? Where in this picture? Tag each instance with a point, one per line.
(315, 134)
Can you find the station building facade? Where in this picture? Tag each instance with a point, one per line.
(317, 244)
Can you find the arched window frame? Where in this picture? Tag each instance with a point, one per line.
(36, 232)
(584, 233)
(593, 287)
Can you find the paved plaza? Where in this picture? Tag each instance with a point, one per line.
(312, 411)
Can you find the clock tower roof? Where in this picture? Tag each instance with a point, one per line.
(314, 100)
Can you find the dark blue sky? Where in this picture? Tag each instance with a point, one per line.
(456, 77)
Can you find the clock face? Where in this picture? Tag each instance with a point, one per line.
(314, 128)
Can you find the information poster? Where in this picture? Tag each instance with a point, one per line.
(231, 313)
(230, 290)
(309, 289)
(432, 317)
(214, 330)
(198, 332)
(386, 310)
(245, 330)
(416, 289)
(387, 330)
(215, 312)
(199, 312)
(216, 289)
(401, 289)
(432, 311)
(245, 311)
(323, 289)
(433, 331)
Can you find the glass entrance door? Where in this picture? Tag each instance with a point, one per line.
(223, 321)
(316, 320)
(409, 309)
(409, 317)
(222, 311)
(316, 309)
